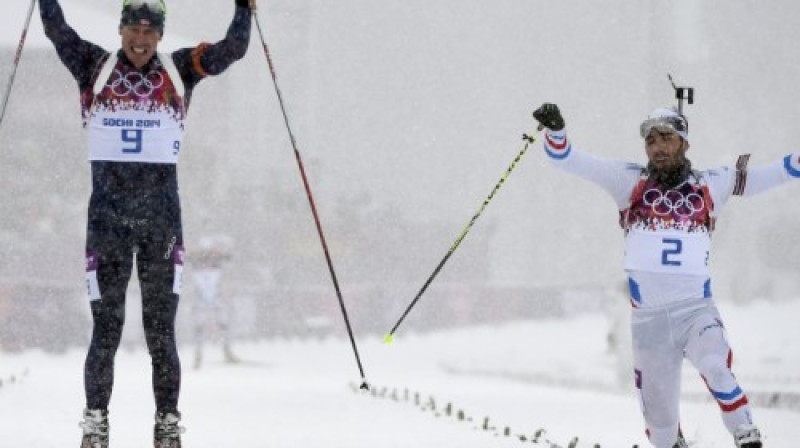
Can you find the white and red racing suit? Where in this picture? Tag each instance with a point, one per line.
(667, 255)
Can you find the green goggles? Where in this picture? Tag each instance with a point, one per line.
(157, 6)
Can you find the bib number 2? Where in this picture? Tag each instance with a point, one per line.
(672, 249)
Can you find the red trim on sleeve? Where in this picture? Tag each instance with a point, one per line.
(556, 145)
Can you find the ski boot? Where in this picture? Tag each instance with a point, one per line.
(95, 428)
(166, 432)
(747, 436)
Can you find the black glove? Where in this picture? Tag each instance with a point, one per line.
(244, 3)
(549, 116)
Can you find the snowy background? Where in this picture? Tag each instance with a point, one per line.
(406, 114)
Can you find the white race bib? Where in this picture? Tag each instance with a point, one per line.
(133, 136)
(668, 252)
(135, 116)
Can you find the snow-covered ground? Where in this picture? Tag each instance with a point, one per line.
(431, 390)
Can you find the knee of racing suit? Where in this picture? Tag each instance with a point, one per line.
(716, 372)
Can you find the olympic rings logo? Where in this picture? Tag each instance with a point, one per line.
(135, 83)
(673, 202)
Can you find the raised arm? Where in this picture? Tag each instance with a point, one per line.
(213, 59)
(81, 57)
(726, 182)
(615, 177)
(765, 177)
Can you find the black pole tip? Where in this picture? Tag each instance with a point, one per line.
(364, 385)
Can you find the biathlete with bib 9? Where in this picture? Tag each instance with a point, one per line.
(668, 211)
(134, 103)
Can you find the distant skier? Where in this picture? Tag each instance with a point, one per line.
(668, 212)
(206, 268)
(134, 104)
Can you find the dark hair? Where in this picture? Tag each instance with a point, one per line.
(143, 15)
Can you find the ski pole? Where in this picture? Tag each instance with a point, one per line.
(16, 61)
(528, 141)
(364, 384)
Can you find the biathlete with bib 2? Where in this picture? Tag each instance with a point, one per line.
(668, 211)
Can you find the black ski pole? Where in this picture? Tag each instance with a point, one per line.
(364, 384)
(528, 141)
(16, 61)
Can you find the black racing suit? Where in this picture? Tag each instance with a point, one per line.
(134, 209)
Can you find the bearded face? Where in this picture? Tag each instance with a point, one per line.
(666, 153)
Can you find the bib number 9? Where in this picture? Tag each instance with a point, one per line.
(132, 138)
